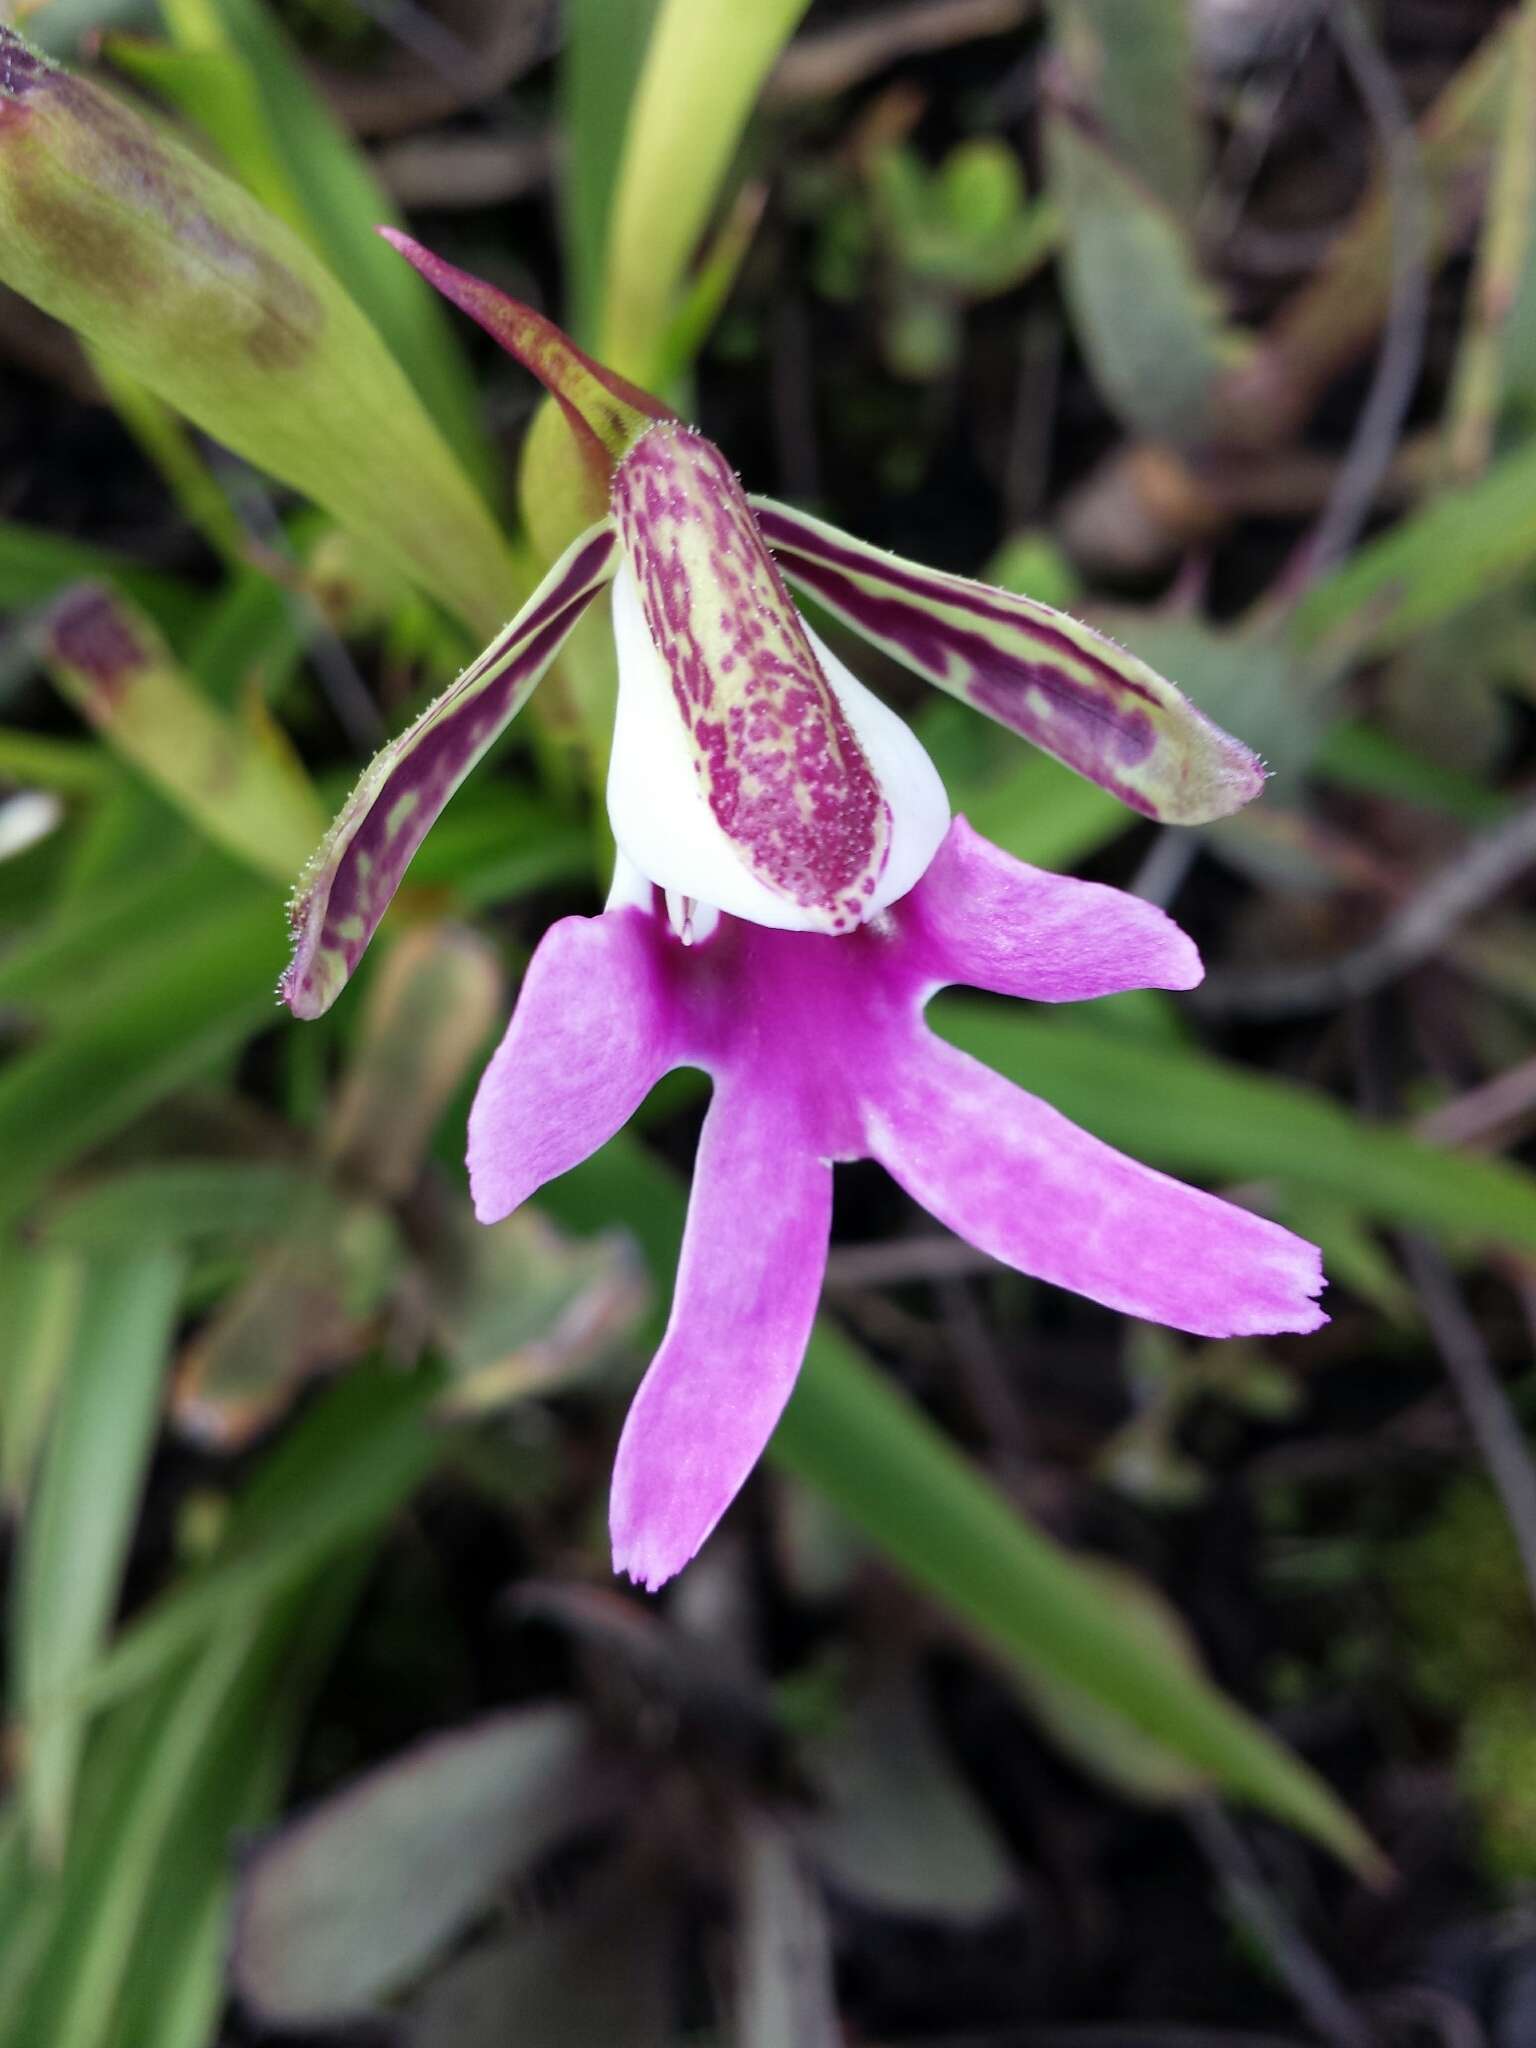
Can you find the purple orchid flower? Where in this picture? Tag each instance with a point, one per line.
(790, 891)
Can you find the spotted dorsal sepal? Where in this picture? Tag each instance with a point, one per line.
(782, 770)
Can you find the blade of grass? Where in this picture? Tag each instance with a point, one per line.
(74, 1540)
(177, 1203)
(1435, 563)
(854, 1436)
(704, 66)
(1506, 257)
(34, 565)
(40, 1294)
(164, 438)
(210, 989)
(355, 1458)
(238, 781)
(605, 43)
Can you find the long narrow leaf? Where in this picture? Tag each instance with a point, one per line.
(239, 783)
(703, 68)
(76, 1534)
(861, 1443)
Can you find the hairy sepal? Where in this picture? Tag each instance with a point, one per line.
(348, 885)
(1044, 675)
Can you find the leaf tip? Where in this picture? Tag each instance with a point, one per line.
(91, 634)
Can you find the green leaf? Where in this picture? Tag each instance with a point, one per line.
(605, 43)
(282, 128)
(852, 1434)
(68, 766)
(240, 784)
(703, 69)
(1150, 323)
(109, 935)
(35, 565)
(518, 1310)
(356, 1455)
(1437, 562)
(348, 1905)
(75, 1538)
(309, 1302)
(205, 989)
(1360, 756)
(596, 1969)
(40, 1294)
(122, 1949)
(898, 1828)
(1133, 67)
(434, 1003)
(176, 1203)
(192, 288)
(214, 89)
(164, 438)
(1181, 1109)
(1492, 361)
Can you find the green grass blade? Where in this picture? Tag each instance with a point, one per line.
(40, 1294)
(75, 1538)
(210, 987)
(237, 780)
(703, 69)
(851, 1434)
(605, 42)
(35, 565)
(1435, 563)
(357, 1456)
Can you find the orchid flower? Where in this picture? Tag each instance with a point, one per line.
(790, 891)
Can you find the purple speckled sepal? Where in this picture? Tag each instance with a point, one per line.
(348, 885)
(780, 765)
(1091, 704)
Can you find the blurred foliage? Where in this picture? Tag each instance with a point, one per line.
(1458, 1585)
(302, 1470)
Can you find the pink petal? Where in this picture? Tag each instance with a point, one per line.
(747, 1285)
(981, 917)
(591, 1035)
(1020, 1182)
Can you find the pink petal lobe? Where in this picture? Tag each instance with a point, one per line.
(591, 1035)
(1016, 1179)
(983, 918)
(747, 1286)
